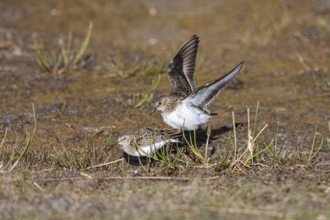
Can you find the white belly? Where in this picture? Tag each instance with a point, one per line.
(186, 117)
(143, 151)
(148, 150)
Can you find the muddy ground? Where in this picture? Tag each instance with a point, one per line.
(80, 113)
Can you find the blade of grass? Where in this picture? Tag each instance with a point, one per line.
(4, 138)
(84, 45)
(250, 157)
(192, 145)
(147, 97)
(29, 139)
(234, 133)
(249, 143)
(311, 155)
(62, 159)
(208, 133)
(317, 151)
(255, 120)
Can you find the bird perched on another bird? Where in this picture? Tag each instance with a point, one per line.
(185, 106)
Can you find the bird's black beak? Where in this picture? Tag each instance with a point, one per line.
(152, 111)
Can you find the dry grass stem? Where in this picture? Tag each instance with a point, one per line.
(249, 142)
(155, 178)
(105, 164)
(235, 137)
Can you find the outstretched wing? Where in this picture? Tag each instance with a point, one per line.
(182, 67)
(205, 94)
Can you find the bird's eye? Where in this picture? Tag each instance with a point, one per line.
(159, 103)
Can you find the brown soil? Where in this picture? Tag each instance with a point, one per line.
(80, 114)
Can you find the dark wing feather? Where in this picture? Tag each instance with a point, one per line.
(182, 67)
(205, 94)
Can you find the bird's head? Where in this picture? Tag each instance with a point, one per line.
(124, 140)
(160, 104)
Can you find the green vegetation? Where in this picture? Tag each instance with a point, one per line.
(90, 155)
(15, 157)
(124, 68)
(66, 58)
(232, 159)
(136, 100)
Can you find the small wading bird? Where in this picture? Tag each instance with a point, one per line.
(144, 142)
(185, 107)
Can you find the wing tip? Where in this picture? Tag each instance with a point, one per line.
(195, 36)
(191, 42)
(240, 65)
(237, 69)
